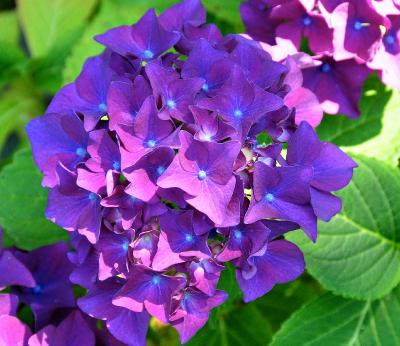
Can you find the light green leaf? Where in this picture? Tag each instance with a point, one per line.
(17, 106)
(333, 321)
(10, 53)
(377, 132)
(357, 253)
(22, 204)
(53, 23)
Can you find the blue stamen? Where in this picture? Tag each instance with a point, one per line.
(237, 234)
(202, 175)
(155, 280)
(389, 39)
(326, 67)
(151, 143)
(188, 237)
(171, 104)
(37, 289)
(148, 54)
(306, 20)
(205, 87)
(125, 245)
(117, 165)
(357, 25)
(160, 170)
(102, 107)
(237, 113)
(92, 196)
(269, 197)
(81, 152)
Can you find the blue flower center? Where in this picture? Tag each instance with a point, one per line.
(269, 197)
(188, 237)
(205, 87)
(155, 280)
(306, 20)
(389, 39)
(81, 152)
(133, 199)
(171, 104)
(238, 113)
(125, 245)
(117, 165)
(326, 67)
(37, 289)
(237, 234)
(358, 25)
(92, 196)
(151, 143)
(148, 54)
(202, 175)
(160, 170)
(102, 107)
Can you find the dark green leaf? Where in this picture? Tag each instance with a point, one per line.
(333, 321)
(22, 204)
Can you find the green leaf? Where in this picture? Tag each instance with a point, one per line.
(357, 253)
(22, 204)
(333, 321)
(52, 23)
(243, 326)
(11, 55)
(117, 12)
(377, 132)
(17, 106)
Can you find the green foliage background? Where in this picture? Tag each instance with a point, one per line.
(350, 294)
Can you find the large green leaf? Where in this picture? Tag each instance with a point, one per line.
(22, 204)
(377, 132)
(333, 321)
(357, 253)
(119, 12)
(51, 23)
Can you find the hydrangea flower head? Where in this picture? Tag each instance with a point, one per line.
(157, 171)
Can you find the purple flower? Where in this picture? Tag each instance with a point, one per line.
(127, 326)
(145, 40)
(186, 12)
(176, 94)
(387, 58)
(305, 149)
(50, 269)
(57, 139)
(73, 330)
(125, 98)
(147, 133)
(297, 22)
(88, 95)
(179, 240)
(337, 84)
(193, 310)
(240, 103)
(8, 304)
(150, 290)
(19, 275)
(198, 170)
(204, 275)
(277, 262)
(13, 331)
(275, 195)
(356, 30)
(74, 208)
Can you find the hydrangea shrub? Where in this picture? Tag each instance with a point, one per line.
(175, 152)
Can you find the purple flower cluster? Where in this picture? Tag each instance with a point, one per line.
(154, 164)
(40, 281)
(348, 39)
